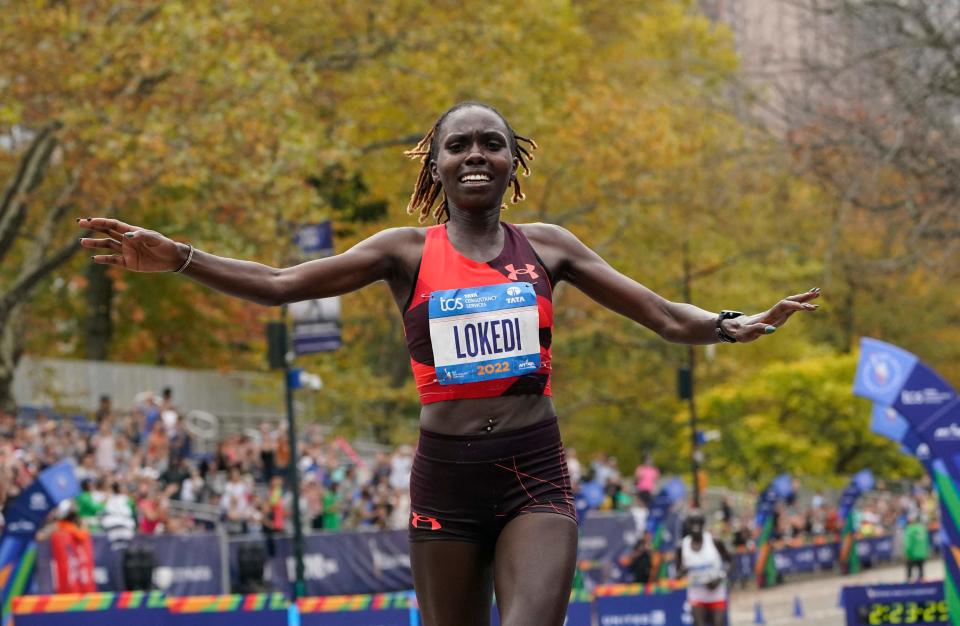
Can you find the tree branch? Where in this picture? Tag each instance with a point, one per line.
(30, 172)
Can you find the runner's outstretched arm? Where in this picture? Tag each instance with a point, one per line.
(674, 321)
(142, 250)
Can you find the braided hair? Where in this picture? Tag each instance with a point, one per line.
(423, 201)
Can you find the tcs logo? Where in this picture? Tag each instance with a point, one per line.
(529, 270)
(422, 522)
(451, 304)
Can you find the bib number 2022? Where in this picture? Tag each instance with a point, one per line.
(493, 368)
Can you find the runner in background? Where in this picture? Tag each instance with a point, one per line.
(704, 561)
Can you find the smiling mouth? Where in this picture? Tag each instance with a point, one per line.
(475, 179)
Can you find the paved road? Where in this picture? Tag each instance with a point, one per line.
(818, 597)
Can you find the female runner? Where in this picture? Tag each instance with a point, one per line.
(491, 507)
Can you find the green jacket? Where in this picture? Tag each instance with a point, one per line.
(916, 542)
(89, 510)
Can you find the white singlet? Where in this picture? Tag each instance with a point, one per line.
(703, 566)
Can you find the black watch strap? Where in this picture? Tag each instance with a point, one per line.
(726, 315)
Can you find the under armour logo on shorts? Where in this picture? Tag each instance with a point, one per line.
(528, 270)
(422, 522)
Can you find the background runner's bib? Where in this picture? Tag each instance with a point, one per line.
(484, 333)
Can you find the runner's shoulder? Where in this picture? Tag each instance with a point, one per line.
(400, 240)
(543, 234)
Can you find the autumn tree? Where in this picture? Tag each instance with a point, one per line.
(246, 114)
(159, 113)
(868, 107)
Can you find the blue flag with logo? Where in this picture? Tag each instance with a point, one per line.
(886, 422)
(24, 517)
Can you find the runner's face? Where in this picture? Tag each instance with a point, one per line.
(474, 162)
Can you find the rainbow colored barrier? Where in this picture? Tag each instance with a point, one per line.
(383, 609)
(638, 589)
(144, 608)
(655, 603)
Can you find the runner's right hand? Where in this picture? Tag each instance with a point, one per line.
(133, 248)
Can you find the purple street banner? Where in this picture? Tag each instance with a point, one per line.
(876, 605)
(144, 608)
(316, 323)
(891, 376)
(622, 605)
(23, 518)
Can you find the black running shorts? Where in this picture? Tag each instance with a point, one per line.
(468, 487)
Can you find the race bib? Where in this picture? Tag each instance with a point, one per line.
(483, 333)
(701, 576)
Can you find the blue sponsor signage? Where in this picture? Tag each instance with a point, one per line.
(922, 394)
(658, 609)
(877, 605)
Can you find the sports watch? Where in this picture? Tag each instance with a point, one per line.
(726, 315)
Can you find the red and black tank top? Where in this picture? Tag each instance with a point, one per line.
(479, 330)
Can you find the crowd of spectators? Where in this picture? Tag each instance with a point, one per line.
(140, 473)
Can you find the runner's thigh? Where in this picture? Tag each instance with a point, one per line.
(453, 581)
(535, 558)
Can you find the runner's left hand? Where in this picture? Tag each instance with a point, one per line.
(747, 328)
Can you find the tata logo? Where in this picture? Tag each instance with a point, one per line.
(451, 304)
(947, 432)
(514, 291)
(882, 372)
(929, 395)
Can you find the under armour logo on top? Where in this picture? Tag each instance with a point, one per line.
(528, 270)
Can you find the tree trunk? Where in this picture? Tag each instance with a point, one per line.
(98, 323)
(11, 348)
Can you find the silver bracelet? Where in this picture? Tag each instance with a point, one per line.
(187, 262)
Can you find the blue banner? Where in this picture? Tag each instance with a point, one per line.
(794, 560)
(917, 603)
(604, 539)
(339, 563)
(661, 609)
(184, 565)
(923, 394)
